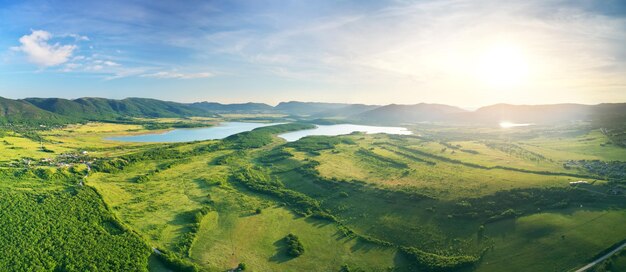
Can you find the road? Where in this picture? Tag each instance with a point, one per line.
(604, 257)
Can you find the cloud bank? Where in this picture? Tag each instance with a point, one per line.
(178, 75)
(39, 51)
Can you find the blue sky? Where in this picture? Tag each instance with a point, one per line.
(466, 53)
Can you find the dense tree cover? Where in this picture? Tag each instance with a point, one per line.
(434, 262)
(186, 241)
(294, 246)
(42, 173)
(614, 170)
(314, 144)
(176, 263)
(262, 136)
(229, 158)
(109, 165)
(112, 165)
(109, 109)
(275, 155)
(67, 230)
(22, 112)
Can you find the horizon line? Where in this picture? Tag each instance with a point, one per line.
(317, 101)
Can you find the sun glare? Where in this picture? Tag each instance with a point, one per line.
(502, 66)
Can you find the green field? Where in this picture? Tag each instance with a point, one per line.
(448, 199)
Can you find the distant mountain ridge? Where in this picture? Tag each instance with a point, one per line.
(17, 111)
(421, 112)
(233, 108)
(102, 108)
(59, 110)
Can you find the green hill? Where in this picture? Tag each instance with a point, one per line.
(16, 111)
(394, 114)
(101, 108)
(233, 108)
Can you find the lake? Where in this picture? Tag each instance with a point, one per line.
(226, 129)
(342, 129)
(221, 131)
(513, 125)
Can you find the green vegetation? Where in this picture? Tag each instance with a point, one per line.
(65, 230)
(294, 246)
(451, 199)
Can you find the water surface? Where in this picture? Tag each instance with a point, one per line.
(342, 129)
(221, 131)
(513, 125)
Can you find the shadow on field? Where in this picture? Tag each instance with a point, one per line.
(319, 223)
(361, 245)
(183, 218)
(281, 252)
(340, 236)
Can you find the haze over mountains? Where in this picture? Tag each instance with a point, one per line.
(58, 110)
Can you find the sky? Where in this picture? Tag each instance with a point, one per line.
(457, 52)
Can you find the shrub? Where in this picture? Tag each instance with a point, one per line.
(294, 246)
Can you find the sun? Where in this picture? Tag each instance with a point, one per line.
(502, 66)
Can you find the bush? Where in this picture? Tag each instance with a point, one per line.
(294, 246)
(435, 262)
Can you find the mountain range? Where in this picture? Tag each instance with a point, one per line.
(59, 110)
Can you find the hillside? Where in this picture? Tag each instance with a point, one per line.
(15, 111)
(395, 114)
(345, 112)
(308, 108)
(602, 115)
(58, 110)
(101, 108)
(233, 108)
(532, 114)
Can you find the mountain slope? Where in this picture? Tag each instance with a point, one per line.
(16, 111)
(346, 111)
(532, 114)
(396, 114)
(106, 109)
(233, 108)
(308, 108)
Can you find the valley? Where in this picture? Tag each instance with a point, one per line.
(443, 198)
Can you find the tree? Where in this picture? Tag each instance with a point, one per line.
(294, 246)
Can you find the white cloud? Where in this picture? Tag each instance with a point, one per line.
(78, 37)
(111, 63)
(178, 75)
(42, 53)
